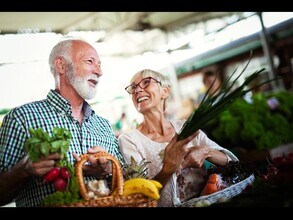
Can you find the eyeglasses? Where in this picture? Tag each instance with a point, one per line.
(144, 83)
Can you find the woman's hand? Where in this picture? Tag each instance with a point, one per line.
(97, 167)
(198, 154)
(176, 152)
(174, 155)
(196, 157)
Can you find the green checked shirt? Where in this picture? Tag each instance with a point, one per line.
(54, 111)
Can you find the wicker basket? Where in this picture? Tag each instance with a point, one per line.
(117, 200)
(226, 193)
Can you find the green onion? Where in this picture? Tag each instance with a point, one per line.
(215, 103)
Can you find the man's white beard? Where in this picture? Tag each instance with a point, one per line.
(80, 84)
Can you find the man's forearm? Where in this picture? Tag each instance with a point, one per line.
(11, 182)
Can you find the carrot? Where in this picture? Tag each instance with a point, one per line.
(211, 185)
(213, 178)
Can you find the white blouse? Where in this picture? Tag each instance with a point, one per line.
(190, 181)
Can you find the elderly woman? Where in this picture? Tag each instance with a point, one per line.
(182, 166)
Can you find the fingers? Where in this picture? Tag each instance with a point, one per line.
(92, 150)
(76, 157)
(93, 161)
(102, 160)
(193, 135)
(180, 145)
(174, 139)
(185, 163)
(46, 163)
(98, 167)
(190, 138)
(95, 149)
(174, 143)
(195, 158)
(54, 156)
(40, 167)
(105, 164)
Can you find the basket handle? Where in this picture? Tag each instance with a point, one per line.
(117, 175)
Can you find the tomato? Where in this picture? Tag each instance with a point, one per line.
(52, 174)
(60, 184)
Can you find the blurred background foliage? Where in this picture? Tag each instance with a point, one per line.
(262, 122)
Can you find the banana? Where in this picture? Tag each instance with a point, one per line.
(157, 184)
(141, 185)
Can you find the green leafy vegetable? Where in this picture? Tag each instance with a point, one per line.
(70, 195)
(255, 125)
(215, 103)
(42, 144)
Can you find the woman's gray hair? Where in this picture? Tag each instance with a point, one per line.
(165, 82)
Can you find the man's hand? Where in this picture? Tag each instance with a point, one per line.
(40, 167)
(96, 167)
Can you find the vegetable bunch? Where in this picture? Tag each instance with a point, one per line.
(62, 176)
(216, 102)
(42, 144)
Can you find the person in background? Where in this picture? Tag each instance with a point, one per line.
(121, 124)
(210, 79)
(76, 68)
(155, 140)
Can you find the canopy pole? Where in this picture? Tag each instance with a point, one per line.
(275, 84)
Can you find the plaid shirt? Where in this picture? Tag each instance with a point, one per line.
(54, 111)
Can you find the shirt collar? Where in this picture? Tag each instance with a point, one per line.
(87, 109)
(63, 106)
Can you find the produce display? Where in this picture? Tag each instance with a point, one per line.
(62, 176)
(213, 185)
(234, 171)
(224, 183)
(279, 171)
(221, 177)
(70, 185)
(149, 188)
(272, 188)
(255, 125)
(135, 175)
(133, 192)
